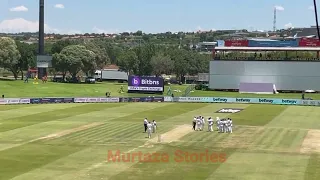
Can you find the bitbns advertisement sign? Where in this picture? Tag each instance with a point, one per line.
(145, 84)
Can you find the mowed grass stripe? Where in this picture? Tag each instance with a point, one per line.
(71, 166)
(23, 121)
(174, 170)
(169, 115)
(107, 132)
(288, 139)
(18, 106)
(171, 110)
(207, 139)
(297, 139)
(61, 167)
(271, 137)
(312, 169)
(122, 111)
(264, 134)
(46, 158)
(103, 129)
(213, 139)
(118, 134)
(298, 117)
(112, 114)
(278, 139)
(24, 158)
(83, 138)
(102, 169)
(262, 166)
(163, 113)
(257, 115)
(39, 130)
(29, 110)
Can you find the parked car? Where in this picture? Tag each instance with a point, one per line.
(90, 80)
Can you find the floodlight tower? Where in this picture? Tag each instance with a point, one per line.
(316, 16)
(41, 70)
(274, 19)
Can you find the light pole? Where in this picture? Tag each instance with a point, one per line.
(316, 16)
(41, 27)
(41, 70)
(43, 61)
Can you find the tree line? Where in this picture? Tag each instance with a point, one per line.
(85, 56)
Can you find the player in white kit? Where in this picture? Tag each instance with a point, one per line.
(203, 122)
(149, 129)
(221, 126)
(199, 123)
(225, 128)
(218, 123)
(210, 124)
(154, 126)
(230, 127)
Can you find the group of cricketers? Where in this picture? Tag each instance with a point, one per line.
(198, 124)
(223, 125)
(149, 127)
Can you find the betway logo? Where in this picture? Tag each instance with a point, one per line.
(220, 100)
(287, 101)
(243, 100)
(265, 100)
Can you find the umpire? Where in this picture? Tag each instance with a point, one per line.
(194, 122)
(145, 123)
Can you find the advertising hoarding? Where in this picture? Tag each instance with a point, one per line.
(236, 43)
(309, 43)
(145, 84)
(257, 43)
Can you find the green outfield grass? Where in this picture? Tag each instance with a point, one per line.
(72, 141)
(19, 89)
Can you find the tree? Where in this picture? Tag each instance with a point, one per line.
(9, 55)
(60, 64)
(203, 37)
(59, 45)
(181, 64)
(138, 33)
(146, 37)
(144, 54)
(101, 55)
(129, 62)
(197, 63)
(161, 64)
(111, 50)
(28, 56)
(75, 58)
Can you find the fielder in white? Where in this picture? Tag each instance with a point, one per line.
(210, 124)
(230, 126)
(224, 128)
(149, 129)
(154, 126)
(199, 124)
(227, 125)
(221, 126)
(218, 123)
(203, 122)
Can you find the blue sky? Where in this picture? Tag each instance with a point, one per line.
(154, 16)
